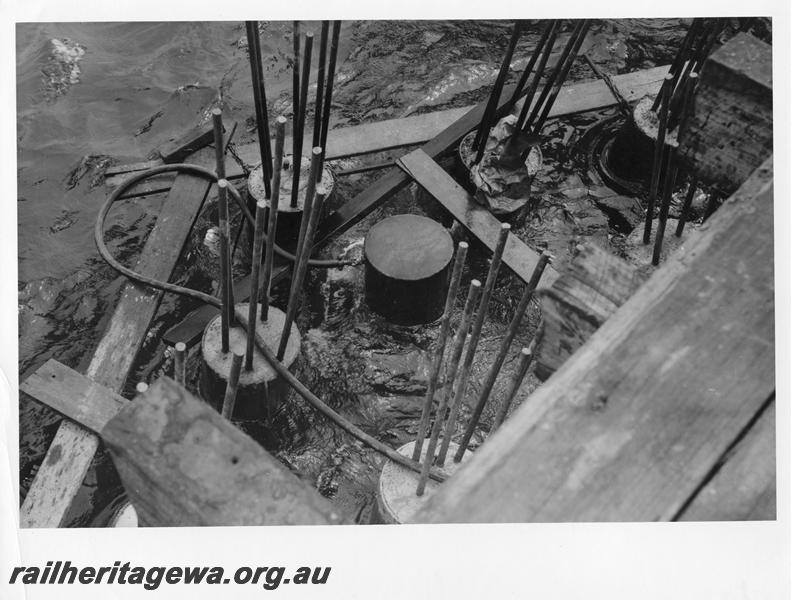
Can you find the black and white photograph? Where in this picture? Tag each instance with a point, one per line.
(368, 273)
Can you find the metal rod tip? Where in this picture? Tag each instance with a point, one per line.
(317, 151)
(464, 245)
(216, 112)
(141, 387)
(223, 183)
(475, 283)
(180, 346)
(282, 120)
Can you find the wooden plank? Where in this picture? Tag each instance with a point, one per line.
(176, 150)
(634, 422)
(73, 395)
(744, 488)
(154, 185)
(131, 168)
(587, 293)
(72, 450)
(475, 218)
(182, 464)
(345, 142)
(391, 134)
(162, 491)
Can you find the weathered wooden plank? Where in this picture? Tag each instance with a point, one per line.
(633, 423)
(729, 132)
(131, 168)
(593, 286)
(154, 185)
(475, 218)
(182, 464)
(72, 449)
(391, 134)
(345, 142)
(744, 489)
(160, 487)
(73, 395)
(176, 150)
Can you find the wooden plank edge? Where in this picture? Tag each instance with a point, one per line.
(235, 481)
(72, 450)
(529, 416)
(73, 395)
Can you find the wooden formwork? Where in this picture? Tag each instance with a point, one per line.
(69, 457)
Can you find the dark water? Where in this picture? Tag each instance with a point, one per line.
(91, 95)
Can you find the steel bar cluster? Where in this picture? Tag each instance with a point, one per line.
(457, 371)
(530, 122)
(672, 106)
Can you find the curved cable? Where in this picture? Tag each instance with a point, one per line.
(270, 357)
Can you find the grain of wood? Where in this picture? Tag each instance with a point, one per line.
(634, 422)
(71, 451)
(593, 286)
(175, 151)
(391, 134)
(345, 142)
(730, 129)
(745, 487)
(131, 167)
(73, 395)
(182, 464)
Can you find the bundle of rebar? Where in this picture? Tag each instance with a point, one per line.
(259, 96)
(324, 88)
(535, 112)
(673, 105)
(313, 201)
(264, 229)
(457, 372)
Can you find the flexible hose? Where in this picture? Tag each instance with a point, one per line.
(324, 409)
(207, 174)
(270, 357)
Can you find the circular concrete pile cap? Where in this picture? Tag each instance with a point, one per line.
(408, 247)
(647, 122)
(397, 501)
(269, 330)
(255, 185)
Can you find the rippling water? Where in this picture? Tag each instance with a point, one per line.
(92, 94)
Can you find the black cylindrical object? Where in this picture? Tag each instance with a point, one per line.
(407, 260)
(630, 155)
